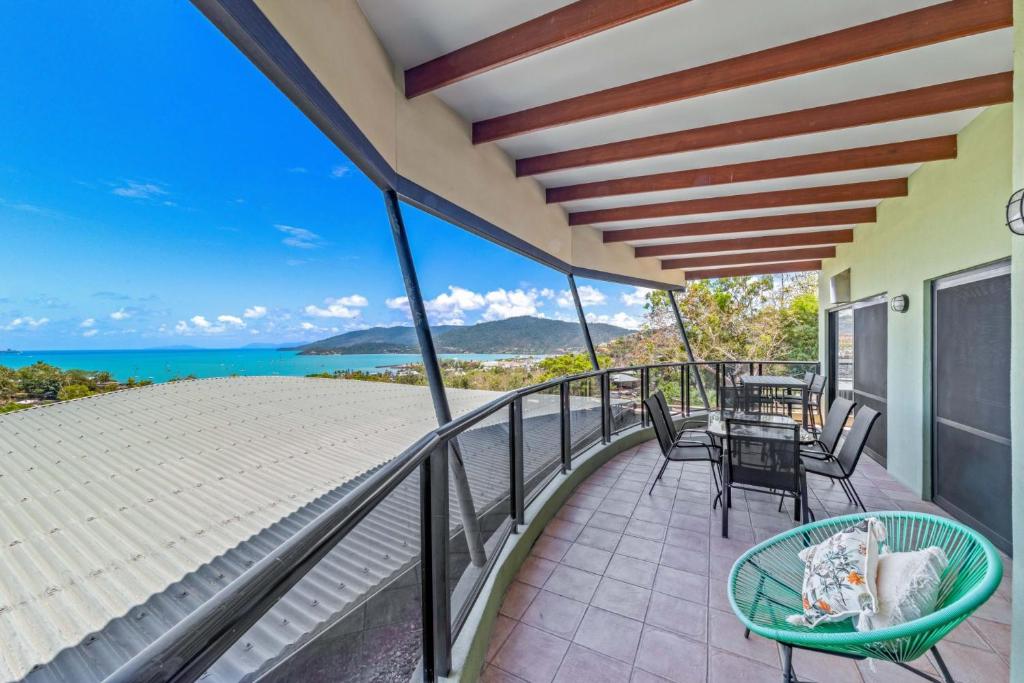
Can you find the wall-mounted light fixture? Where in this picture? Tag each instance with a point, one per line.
(900, 303)
(1015, 213)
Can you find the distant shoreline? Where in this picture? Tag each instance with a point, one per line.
(161, 365)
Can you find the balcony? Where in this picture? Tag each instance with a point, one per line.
(623, 586)
(569, 570)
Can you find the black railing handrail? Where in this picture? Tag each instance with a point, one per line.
(193, 645)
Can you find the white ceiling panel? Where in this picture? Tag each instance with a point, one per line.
(953, 60)
(416, 31)
(847, 138)
(736, 235)
(730, 189)
(692, 34)
(727, 215)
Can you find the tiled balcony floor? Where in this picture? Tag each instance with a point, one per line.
(623, 586)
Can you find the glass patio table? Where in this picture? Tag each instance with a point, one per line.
(716, 423)
(783, 382)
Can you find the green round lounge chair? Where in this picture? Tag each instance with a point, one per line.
(765, 585)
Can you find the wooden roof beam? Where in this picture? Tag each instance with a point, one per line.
(927, 26)
(874, 156)
(749, 258)
(814, 219)
(850, 192)
(983, 91)
(558, 27)
(802, 239)
(792, 267)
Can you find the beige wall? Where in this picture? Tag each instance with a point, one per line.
(428, 143)
(951, 220)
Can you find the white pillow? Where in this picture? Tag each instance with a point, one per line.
(839, 575)
(908, 585)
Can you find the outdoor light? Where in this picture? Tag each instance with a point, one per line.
(1015, 213)
(899, 303)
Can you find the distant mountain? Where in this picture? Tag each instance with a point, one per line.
(525, 334)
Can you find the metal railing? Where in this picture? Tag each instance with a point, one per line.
(512, 448)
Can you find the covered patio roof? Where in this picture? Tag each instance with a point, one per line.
(648, 141)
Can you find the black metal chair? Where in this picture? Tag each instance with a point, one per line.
(679, 449)
(685, 432)
(824, 447)
(763, 457)
(790, 399)
(843, 464)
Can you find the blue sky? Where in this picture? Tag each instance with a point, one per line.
(156, 189)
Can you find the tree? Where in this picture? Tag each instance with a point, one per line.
(9, 385)
(741, 318)
(73, 391)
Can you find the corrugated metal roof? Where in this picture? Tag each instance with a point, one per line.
(121, 513)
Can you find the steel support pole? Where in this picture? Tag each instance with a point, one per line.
(432, 368)
(689, 349)
(583, 322)
(435, 602)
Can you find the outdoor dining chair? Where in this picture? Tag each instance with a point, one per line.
(684, 432)
(842, 466)
(825, 446)
(765, 588)
(680, 450)
(791, 399)
(763, 457)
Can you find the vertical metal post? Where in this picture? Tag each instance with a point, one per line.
(564, 405)
(518, 484)
(689, 349)
(513, 489)
(645, 391)
(684, 386)
(605, 408)
(583, 322)
(435, 601)
(432, 368)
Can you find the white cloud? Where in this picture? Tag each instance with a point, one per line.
(300, 238)
(340, 171)
(620, 319)
(120, 314)
(88, 322)
(589, 296)
(398, 302)
(26, 322)
(231, 320)
(638, 297)
(201, 322)
(90, 333)
(503, 304)
(342, 307)
(547, 293)
(309, 326)
(255, 313)
(139, 190)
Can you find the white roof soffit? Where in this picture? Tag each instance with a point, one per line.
(564, 122)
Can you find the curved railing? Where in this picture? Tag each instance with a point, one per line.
(393, 596)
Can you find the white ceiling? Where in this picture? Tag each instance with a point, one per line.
(695, 33)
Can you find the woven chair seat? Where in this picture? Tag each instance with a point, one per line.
(765, 586)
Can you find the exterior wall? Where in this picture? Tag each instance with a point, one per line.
(951, 220)
(1017, 354)
(426, 142)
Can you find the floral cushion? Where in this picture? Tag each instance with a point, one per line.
(839, 575)
(907, 587)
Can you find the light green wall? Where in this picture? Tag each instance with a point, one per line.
(951, 220)
(1017, 355)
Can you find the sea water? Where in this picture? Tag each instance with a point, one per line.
(161, 365)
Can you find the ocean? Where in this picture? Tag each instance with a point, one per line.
(162, 365)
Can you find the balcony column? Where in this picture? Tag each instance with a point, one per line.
(583, 322)
(689, 349)
(432, 368)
